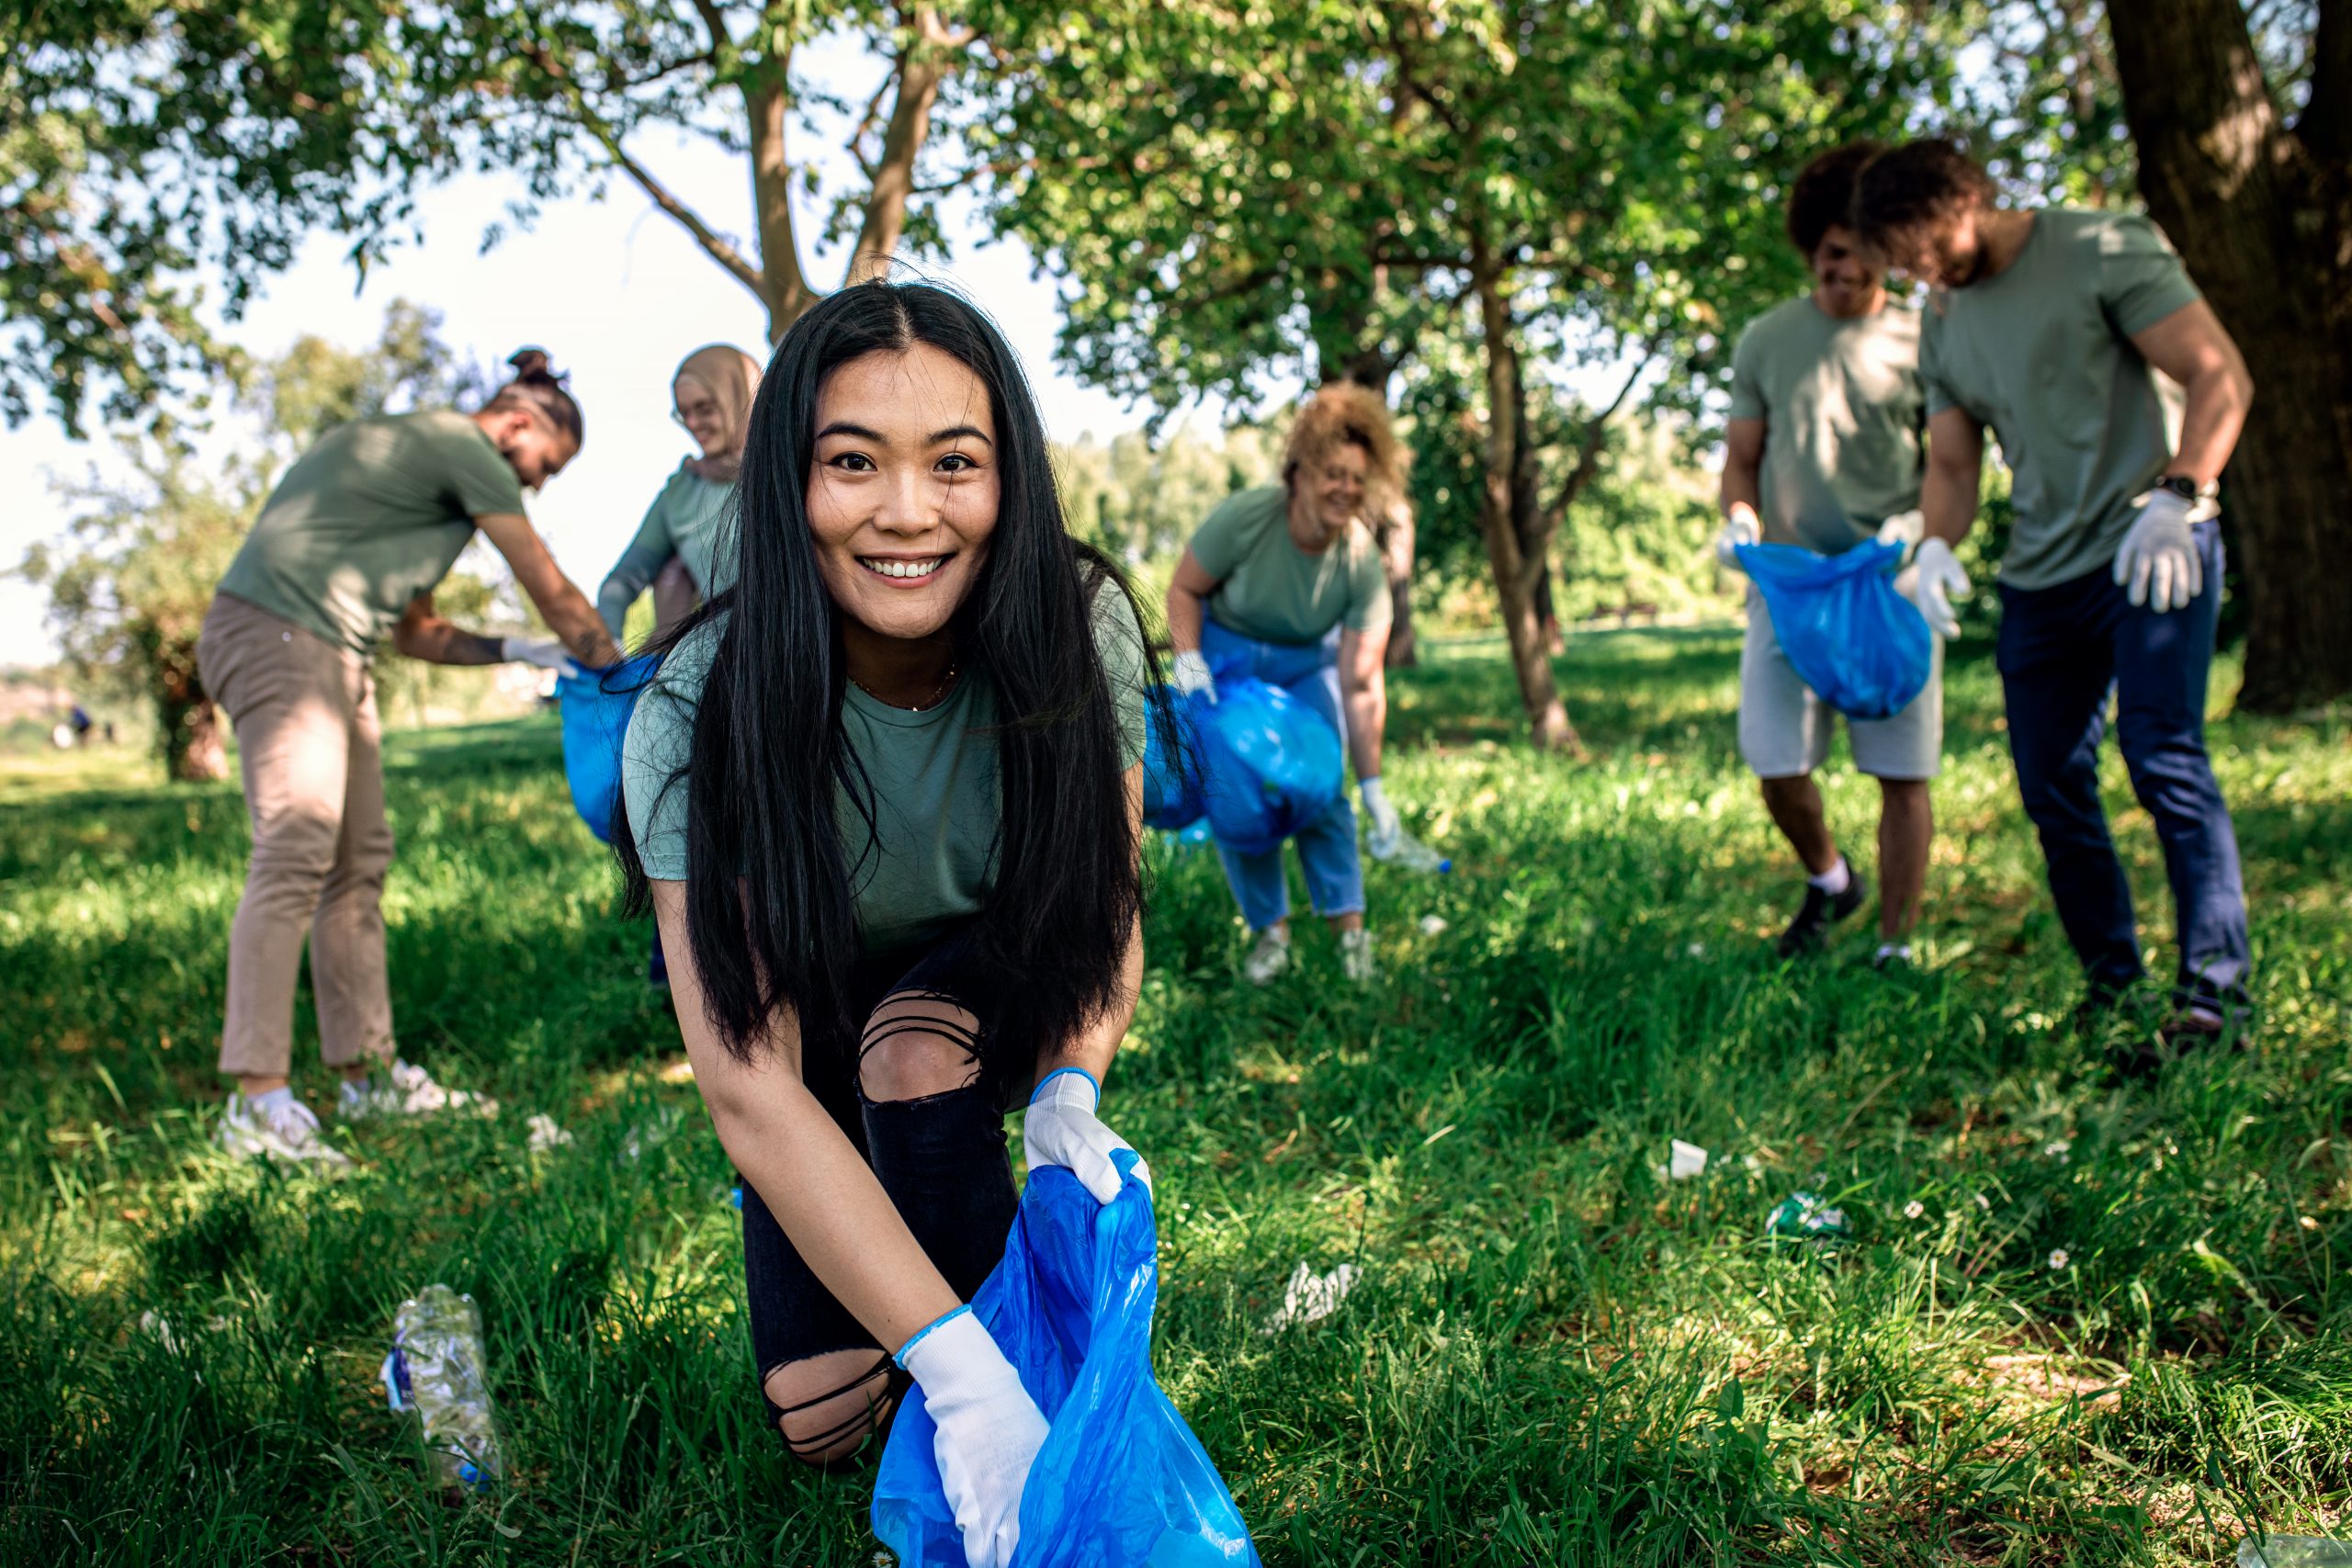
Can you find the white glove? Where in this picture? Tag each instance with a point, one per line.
(1739, 528)
(1060, 1128)
(1192, 672)
(2159, 555)
(1904, 528)
(1938, 579)
(1382, 831)
(545, 652)
(989, 1431)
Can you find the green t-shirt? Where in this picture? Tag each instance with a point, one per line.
(2042, 352)
(367, 520)
(1843, 412)
(1269, 589)
(936, 799)
(685, 521)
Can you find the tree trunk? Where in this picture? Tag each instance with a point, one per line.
(767, 100)
(2262, 215)
(1511, 522)
(187, 727)
(1396, 561)
(924, 62)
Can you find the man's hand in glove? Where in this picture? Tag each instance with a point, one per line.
(2158, 563)
(1938, 580)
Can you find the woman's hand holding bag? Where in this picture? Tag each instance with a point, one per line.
(989, 1430)
(1060, 1128)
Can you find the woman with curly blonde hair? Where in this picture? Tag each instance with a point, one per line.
(1285, 583)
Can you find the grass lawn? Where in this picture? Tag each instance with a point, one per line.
(2074, 1323)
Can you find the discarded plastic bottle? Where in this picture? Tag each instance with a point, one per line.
(2295, 1552)
(435, 1368)
(1412, 854)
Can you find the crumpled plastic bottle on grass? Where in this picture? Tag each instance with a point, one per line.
(1804, 1216)
(436, 1369)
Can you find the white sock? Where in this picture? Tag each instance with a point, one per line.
(1835, 880)
(269, 1100)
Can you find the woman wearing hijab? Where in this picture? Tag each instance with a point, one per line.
(345, 556)
(711, 396)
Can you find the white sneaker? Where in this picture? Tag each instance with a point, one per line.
(405, 1090)
(284, 1131)
(1269, 958)
(1355, 956)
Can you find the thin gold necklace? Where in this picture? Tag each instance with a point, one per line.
(938, 693)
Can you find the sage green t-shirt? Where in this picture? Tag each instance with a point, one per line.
(367, 519)
(685, 521)
(936, 798)
(2042, 352)
(1843, 413)
(1269, 589)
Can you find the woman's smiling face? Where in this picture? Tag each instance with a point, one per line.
(903, 488)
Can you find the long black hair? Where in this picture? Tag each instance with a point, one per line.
(770, 913)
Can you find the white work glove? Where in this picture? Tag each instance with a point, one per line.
(1938, 579)
(1192, 672)
(989, 1431)
(2158, 560)
(1060, 1128)
(545, 652)
(1904, 528)
(1739, 528)
(1383, 832)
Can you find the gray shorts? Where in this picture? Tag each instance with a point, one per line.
(1785, 730)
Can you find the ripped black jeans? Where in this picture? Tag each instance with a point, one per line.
(942, 1159)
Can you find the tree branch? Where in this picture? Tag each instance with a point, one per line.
(923, 65)
(1588, 448)
(714, 243)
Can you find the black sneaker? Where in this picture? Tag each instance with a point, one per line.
(1822, 910)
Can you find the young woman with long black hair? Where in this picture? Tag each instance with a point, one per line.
(884, 798)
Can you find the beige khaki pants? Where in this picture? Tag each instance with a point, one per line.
(311, 750)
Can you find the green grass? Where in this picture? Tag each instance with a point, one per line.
(1555, 1357)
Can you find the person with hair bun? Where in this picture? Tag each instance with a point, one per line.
(346, 553)
(1285, 583)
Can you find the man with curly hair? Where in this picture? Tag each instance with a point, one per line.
(1824, 450)
(2050, 326)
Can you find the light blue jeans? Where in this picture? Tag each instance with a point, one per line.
(1326, 846)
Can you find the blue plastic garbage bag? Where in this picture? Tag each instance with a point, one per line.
(1850, 636)
(1270, 764)
(1121, 1482)
(597, 704)
(1172, 779)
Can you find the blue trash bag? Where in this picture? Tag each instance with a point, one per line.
(1270, 764)
(1171, 783)
(597, 704)
(1121, 1482)
(1862, 647)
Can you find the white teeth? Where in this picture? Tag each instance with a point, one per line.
(902, 568)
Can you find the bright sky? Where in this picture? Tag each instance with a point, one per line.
(614, 291)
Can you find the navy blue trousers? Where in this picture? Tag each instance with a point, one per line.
(2062, 650)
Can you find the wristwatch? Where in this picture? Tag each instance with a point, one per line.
(2182, 485)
